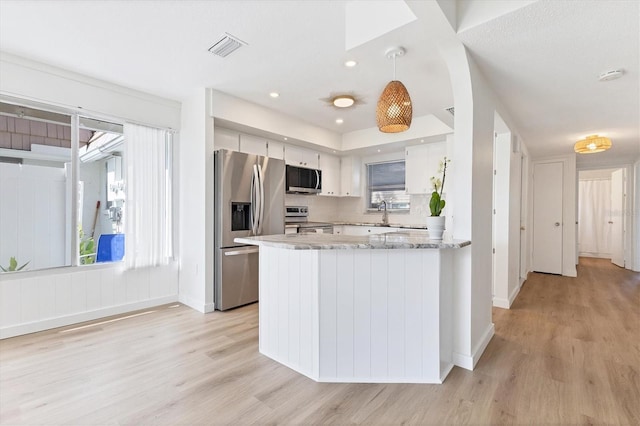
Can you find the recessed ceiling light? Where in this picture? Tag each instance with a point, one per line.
(350, 63)
(286, 139)
(343, 101)
(339, 121)
(274, 94)
(611, 75)
(379, 151)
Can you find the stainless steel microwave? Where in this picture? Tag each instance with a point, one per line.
(303, 181)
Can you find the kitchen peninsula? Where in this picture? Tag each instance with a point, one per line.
(374, 308)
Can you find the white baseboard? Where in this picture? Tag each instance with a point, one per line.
(33, 327)
(197, 305)
(514, 294)
(501, 302)
(469, 362)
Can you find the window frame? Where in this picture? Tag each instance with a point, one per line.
(369, 189)
(77, 115)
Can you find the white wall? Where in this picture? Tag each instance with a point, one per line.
(195, 234)
(32, 80)
(421, 127)
(471, 176)
(91, 291)
(636, 217)
(507, 217)
(40, 300)
(225, 107)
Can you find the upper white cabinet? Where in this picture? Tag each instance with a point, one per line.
(250, 144)
(275, 149)
(226, 139)
(350, 177)
(422, 162)
(257, 145)
(301, 157)
(330, 166)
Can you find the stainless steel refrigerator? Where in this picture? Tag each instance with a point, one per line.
(249, 200)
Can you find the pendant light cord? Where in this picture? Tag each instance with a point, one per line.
(394, 66)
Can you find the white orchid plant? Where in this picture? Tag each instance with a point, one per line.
(437, 203)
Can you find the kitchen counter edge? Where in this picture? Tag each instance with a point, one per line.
(349, 242)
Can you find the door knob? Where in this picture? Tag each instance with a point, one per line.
(557, 224)
(610, 223)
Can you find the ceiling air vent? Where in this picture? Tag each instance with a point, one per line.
(451, 110)
(226, 45)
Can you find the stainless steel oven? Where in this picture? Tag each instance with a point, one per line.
(296, 217)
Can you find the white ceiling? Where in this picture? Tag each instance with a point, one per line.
(543, 59)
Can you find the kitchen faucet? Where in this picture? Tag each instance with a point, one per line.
(385, 215)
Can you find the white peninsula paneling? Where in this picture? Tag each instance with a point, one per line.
(358, 315)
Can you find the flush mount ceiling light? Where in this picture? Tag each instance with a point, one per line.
(394, 111)
(592, 144)
(350, 63)
(274, 94)
(343, 101)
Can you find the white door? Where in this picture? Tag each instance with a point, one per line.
(547, 217)
(524, 190)
(616, 221)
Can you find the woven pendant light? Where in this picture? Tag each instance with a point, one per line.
(394, 111)
(592, 144)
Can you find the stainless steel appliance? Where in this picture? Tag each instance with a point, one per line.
(248, 201)
(297, 217)
(303, 181)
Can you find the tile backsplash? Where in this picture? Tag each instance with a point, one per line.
(352, 209)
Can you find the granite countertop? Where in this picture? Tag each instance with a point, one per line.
(380, 225)
(391, 240)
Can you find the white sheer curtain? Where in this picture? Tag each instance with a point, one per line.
(594, 206)
(148, 219)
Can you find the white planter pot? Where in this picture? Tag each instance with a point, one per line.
(435, 225)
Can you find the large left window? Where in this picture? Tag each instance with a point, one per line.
(54, 205)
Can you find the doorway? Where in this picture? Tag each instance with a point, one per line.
(601, 220)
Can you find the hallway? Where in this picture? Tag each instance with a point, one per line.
(566, 353)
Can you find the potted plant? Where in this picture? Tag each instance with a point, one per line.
(435, 222)
(13, 266)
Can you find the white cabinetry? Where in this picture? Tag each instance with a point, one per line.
(422, 162)
(301, 157)
(275, 149)
(257, 145)
(330, 166)
(357, 230)
(250, 144)
(350, 177)
(226, 139)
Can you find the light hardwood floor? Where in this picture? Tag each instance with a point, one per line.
(568, 352)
